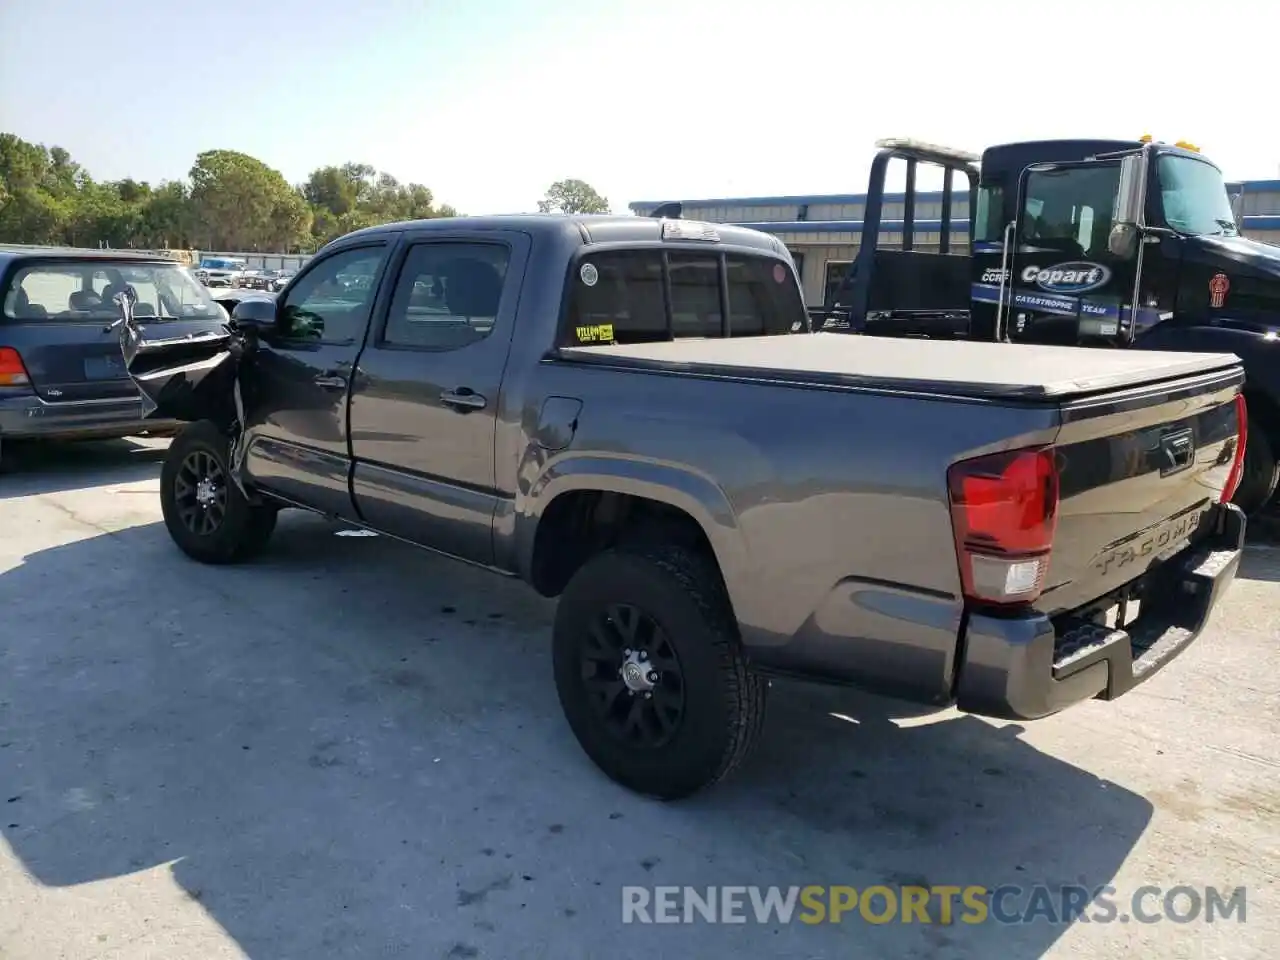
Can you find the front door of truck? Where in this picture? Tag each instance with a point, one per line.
(296, 428)
(427, 400)
(1065, 285)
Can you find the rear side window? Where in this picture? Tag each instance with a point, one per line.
(448, 295)
(618, 297)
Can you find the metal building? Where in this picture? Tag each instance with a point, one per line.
(822, 232)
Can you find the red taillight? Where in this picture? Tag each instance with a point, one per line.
(1242, 441)
(1004, 510)
(12, 371)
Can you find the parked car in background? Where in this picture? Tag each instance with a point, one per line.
(220, 271)
(61, 373)
(281, 280)
(257, 279)
(632, 415)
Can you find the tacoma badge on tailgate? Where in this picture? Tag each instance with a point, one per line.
(1152, 541)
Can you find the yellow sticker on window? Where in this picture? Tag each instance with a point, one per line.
(601, 333)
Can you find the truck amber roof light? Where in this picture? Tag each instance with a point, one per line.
(688, 230)
(906, 143)
(1185, 145)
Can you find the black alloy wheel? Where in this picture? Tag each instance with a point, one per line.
(200, 491)
(205, 511)
(633, 677)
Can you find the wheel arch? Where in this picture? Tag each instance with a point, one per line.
(583, 504)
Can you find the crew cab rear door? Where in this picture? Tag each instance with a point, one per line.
(1065, 285)
(427, 396)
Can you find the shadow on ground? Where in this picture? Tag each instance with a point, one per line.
(51, 467)
(1260, 562)
(353, 748)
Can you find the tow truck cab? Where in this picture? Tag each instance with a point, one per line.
(1066, 236)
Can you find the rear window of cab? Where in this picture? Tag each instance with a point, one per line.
(617, 296)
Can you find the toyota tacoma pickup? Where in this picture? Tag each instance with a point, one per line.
(619, 411)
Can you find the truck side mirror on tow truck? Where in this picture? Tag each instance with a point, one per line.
(1123, 240)
(1131, 198)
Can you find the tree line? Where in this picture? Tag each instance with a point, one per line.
(229, 201)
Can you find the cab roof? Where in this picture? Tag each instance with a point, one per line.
(586, 228)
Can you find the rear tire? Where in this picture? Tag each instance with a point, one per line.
(705, 707)
(206, 514)
(1261, 472)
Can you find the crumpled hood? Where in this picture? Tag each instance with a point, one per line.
(183, 370)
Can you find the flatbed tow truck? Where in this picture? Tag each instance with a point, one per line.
(1065, 238)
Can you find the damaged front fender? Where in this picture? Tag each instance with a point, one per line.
(185, 374)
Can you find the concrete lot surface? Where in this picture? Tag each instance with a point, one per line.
(353, 749)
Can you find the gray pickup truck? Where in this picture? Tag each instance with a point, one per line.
(633, 415)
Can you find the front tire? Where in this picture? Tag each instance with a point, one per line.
(1261, 472)
(206, 514)
(651, 673)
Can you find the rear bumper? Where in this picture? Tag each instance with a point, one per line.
(1028, 667)
(29, 417)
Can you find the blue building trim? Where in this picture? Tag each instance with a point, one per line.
(831, 199)
(960, 194)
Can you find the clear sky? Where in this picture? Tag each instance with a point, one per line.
(489, 101)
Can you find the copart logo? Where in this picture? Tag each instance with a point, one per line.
(1073, 277)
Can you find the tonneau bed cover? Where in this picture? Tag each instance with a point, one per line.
(953, 367)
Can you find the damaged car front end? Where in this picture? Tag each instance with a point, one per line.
(195, 372)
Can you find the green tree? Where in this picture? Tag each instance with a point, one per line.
(573, 196)
(168, 219)
(338, 189)
(243, 204)
(355, 195)
(35, 204)
(232, 201)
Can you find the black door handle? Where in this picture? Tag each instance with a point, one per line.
(464, 398)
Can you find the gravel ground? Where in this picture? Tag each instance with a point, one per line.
(354, 749)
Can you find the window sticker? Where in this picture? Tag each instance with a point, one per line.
(598, 333)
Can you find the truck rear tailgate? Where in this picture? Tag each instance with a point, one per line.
(1140, 545)
(1138, 471)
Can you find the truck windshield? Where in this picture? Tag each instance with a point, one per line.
(1194, 197)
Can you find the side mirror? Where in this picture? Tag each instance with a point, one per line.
(1131, 198)
(1123, 240)
(255, 313)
